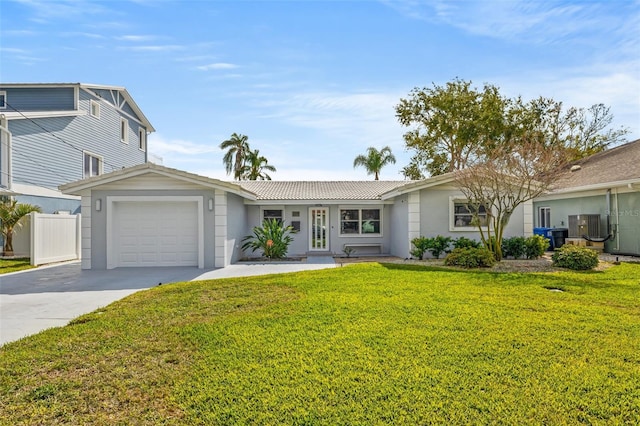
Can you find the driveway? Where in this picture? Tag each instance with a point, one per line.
(37, 299)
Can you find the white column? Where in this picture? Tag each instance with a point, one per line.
(413, 205)
(220, 213)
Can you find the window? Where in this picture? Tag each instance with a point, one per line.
(463, 216)
(544, 217)
(142, 139)
(124, 130)
(95, 109)
(359, 221)
(92, 165)
(272, 214)
(3, 99)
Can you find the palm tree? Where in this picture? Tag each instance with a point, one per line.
(10, 214)
(237, 150)
(375, 160)
(255, 166)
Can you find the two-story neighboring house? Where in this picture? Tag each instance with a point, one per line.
(54, 133)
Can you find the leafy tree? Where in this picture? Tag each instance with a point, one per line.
(456, 126)
(273, 238)
(10, 214)
(375, 160)
(453, 124)
(255, 166)
(234, 159)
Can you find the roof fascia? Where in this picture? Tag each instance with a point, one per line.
(417, 186)
(12, 115)
(595, 186)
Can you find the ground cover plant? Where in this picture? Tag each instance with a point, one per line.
(14, 265)
(362, 344)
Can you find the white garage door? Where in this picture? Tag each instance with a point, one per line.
(155, 233)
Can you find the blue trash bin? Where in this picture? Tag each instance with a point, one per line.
(547, 233)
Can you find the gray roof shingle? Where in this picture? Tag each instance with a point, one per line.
(618, 164)
(320, 190)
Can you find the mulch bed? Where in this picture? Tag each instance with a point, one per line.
(543, 264)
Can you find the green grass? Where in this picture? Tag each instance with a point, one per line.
(365, 344)
(13, 265)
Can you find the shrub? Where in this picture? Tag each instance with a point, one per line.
(464, 242)
(420, 244)
(535, 246)
(575, 257)
(273, 238)
(470, 257)
(438, 245)
(514, 247)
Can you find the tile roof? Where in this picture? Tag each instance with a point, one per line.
(621, 163)
(320, 190)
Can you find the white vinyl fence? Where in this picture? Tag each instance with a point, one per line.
(48, 238)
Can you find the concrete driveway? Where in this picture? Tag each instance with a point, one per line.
(37, 299)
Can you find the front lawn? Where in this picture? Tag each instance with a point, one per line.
(362, 344)
(14, 265)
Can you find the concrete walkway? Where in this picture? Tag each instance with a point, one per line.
(37, 299)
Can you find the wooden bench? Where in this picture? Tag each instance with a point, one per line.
(356, 245)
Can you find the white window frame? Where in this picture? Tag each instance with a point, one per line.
(3, 95)
(544, 216)
(94, 107)
(452, 216)
(142, 139)
(360, 221)
(124, 130)
(100, 164)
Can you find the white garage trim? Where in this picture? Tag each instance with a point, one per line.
(111, 258)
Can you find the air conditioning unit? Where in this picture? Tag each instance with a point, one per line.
(584, 225)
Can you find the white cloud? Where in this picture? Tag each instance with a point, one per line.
(171, 147)
(136, 38)
(217, 66)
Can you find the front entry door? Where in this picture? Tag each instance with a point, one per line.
(318, 230)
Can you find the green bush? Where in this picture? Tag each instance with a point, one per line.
(535, 246)
(514, 247)
(470, 257)
(273, 238)
(420, 244)
(575, 257)
(436, 246)
(464, 242)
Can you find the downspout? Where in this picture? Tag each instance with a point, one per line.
(617, 222)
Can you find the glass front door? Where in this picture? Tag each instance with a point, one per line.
(318, 229)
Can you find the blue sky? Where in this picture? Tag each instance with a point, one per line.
(314, 83)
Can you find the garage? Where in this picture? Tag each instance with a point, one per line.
(156, 231)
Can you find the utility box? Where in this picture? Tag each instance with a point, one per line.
(584, 225)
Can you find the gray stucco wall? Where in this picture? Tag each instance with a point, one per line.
(435, 215)
(398, 218)
(236, 225)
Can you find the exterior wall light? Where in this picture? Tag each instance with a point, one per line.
(99, 204)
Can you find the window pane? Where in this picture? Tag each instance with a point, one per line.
(371, 214)
(87, 165)
(95, 166)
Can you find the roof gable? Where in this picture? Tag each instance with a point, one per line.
(141, 175)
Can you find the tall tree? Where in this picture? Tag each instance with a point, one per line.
(375, 160)
(255, 166)
(11, 213)
(455, 126)
(234, 159)
(452, 124)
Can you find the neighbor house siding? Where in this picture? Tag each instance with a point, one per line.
(40, 99)
(399, 221)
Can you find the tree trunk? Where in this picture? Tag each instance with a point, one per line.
(8, 245)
